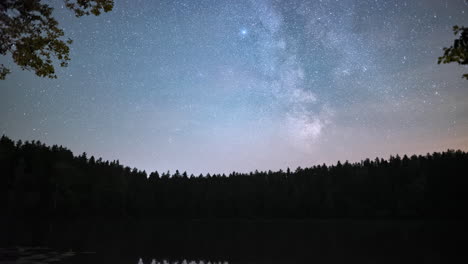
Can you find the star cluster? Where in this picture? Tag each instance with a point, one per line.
(217, 86)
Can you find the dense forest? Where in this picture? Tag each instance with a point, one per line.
(38, 180)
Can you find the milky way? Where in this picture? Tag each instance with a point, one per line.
(218, 86)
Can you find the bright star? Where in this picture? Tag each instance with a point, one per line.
(243, 32)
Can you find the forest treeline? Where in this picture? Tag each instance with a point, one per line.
(38, 180)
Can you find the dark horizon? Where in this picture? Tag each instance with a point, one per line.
(49, 182)
(89, 155)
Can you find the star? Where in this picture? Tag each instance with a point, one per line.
(222, 87)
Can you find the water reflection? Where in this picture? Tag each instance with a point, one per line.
(154, 261)
(243, 242)
(33, 255)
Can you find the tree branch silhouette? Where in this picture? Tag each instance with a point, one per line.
(32, 36)
(458, 52)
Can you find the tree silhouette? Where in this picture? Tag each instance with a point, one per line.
(37, 180)
(458, 52)
(32, 36)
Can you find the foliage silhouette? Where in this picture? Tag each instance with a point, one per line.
(32, 35)
(37, 180)
(458, 52)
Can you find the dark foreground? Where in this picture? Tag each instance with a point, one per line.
(226, 241)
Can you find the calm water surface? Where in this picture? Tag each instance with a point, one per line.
(212, 242)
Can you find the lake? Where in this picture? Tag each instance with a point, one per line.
(232, 241)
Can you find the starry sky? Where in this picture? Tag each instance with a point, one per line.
(222, 85)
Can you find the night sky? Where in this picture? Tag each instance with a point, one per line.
(220, 86)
